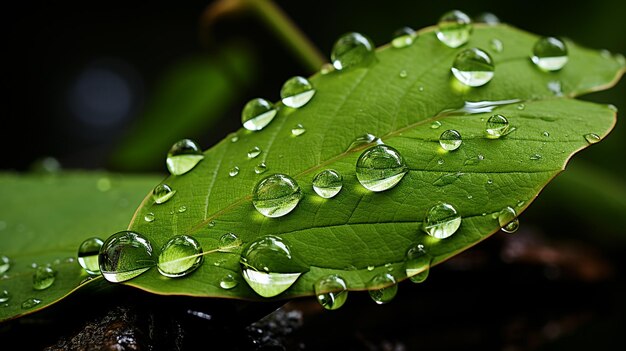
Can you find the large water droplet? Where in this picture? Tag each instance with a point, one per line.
(550, 54)
(507, 218)
(228, 242)
(442, 220)
(497, 126)
(43, 278)
(276, 195)
(331, 291)
(364, 139)
(5, 264)
(455, 28)
(228, 282)
(183, 156)
(350, 50)
(30, 303)
(296, 92)
(384, 288)
(125, 255)
(257, 114)
(298, 130)
(4, 296)
(450, 140)
(473, 67)
(233, 171)
(180, 256)
(260, 168)
(403, 37)
(592, 138)
(487, 18)
(327, 183)
(380, 168)
(88, 255)
(267, 266)
(162, 193)
(417, 263)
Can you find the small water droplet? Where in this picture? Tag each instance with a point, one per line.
(403, 74)
(370, 268)
(260, 168)
(441, 221)
(88, 255)
(254, 152)
(384, 288)
(454, 28)
(507, 218)
(234, 139)
(403, 37)
(296, 92)
(535, 157)
(276, 195)
(149, 217)
(33, 265)
(473, 160)
(469, 197)
(496, 45)
(364, 139)
(380, 168)
(180, 255)
(5, 263)
(550, 54)
(182, 208)
(30, 303)
(331, 291)
(103, 184)
(233, 171)
(257, 114)
(327, 183)
(162, 193)
(545, 134)
(298, 130)
(350, 50)
(420, 88)
(473, 67)
(440, 161)
(592, 138)
(521, 107)
(4, 296)
(435, 125)
(389, 267)
(212, 224)
(555, 87)
(497, 126)
(450, 140)
(521, 203)
(125, 255)
(487, 18)
(43, 278)
(183, 156)
(447, 179)
(489, 181)
(228, 282)
(267, 266)
(417, 263)
(229, 242)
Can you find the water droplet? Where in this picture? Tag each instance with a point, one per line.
(233, 171)
(507, 218)
(487, 18)
(254, 152)
(228, 282)
(521, 203)
(370, 268)
(455, 28)
(88, 255)
(125, 255)
(180, 256)
(435, 125)
(149, 217)
(489, 181)
(555, 87)
(535, 157)
(331, 291)
(350, 50)
(384, 288)
(447, 179)
(440, 161)
(473, 67)
(496, 45)
(417, 263)
(326, 68)
(521, 107)
(34, 265)
(441, 221)
(545, 134)
(469, 197)
(403, 74)
(4, 296)
(403, 37)
(267, 266)
(327, 183)
(228, 242)
(44, 278)
(389, 267)
(162, 193)
(103, 184)
(550, 54)
(257, 114)
(276, 195)
(182, 208)
(234, 139)
(260, 168)
(380, 168)
(30, 303)
(592, 138)
(450, 140)
(497, 126)
(183, 156)
(473, 160)
(364, 140)
(212, 224)
(298, 130)
(296, 92)
(5, 264)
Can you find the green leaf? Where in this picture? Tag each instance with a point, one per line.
(44, 218)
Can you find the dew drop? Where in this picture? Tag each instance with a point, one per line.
(162, 193)
(4, 296)
(149, 217)
(473, 160)
(555, 87)
(545, 134)
(5, 264)
(88, 255)
(370, 268)
(228, 282)
(435, 125)
(507, 218)
(43, 278)
(267, 266)
(521, 203)
(350, 50)
(296, 92)
(211, 224)
(234, 139)
(420, 88)
(331, 291)
(592, 138)
(364, 140)
(473, 67)
(550, 54)
(487, 18)
(387, 292)
(496, 45)
(440, 161)
(260, 168)
(254, 152)
(442, 220)
(521, 107)
(454, 28)
(182, 208)
(450, 140)
(30, 303)
(535, 157)
(380, 168)
(417, 263)
(298, 130)
(327, 183)
(257, 114)
(183, 156)
(180, 255)
(125, 255)
(447, 179)
(403, 37)
(403, 74)
(228, 242)
(276, 195)
(497, 126)
(233, 171)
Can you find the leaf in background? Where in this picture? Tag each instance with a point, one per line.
(44, 218)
